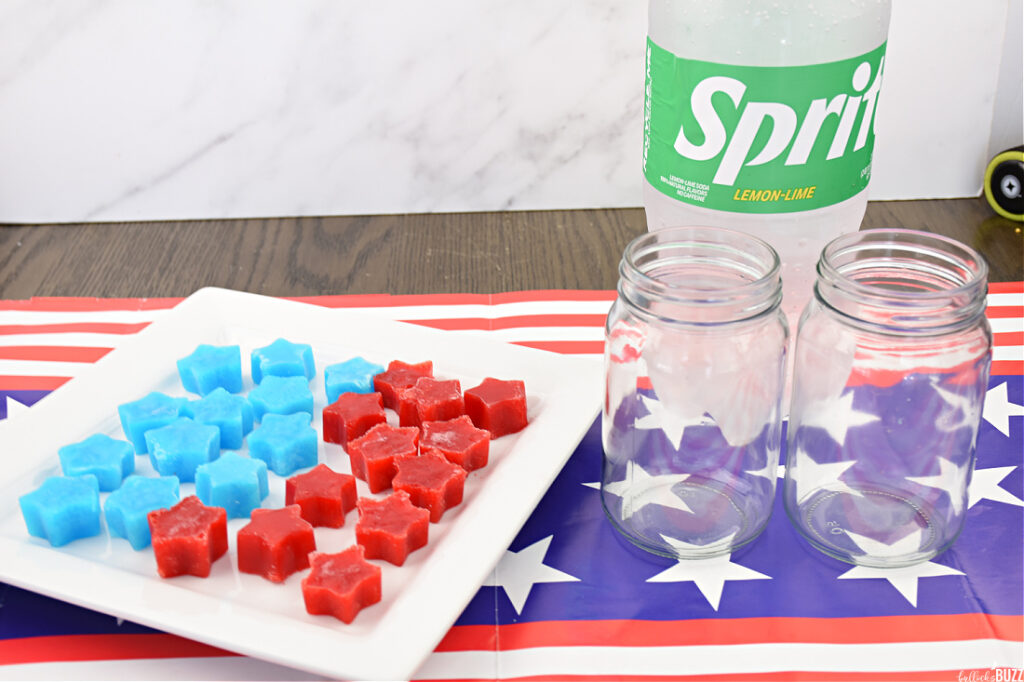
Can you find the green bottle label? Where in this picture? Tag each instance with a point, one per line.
(754, 139)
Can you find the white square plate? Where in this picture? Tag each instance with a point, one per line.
(246, 613)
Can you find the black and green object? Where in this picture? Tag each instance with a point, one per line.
(1004, 184)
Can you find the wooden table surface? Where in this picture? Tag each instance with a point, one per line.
(396, 254)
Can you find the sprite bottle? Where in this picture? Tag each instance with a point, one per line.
(759, 115)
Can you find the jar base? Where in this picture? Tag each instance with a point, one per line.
(709, 523)
(871, 527)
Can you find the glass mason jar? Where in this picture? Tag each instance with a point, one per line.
(694, 358)
(892, 362)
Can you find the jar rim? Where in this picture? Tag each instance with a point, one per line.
(700, 276)
(699, 236)
(900, 281)
(936, 244)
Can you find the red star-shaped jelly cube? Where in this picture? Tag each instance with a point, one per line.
(372, 455)
(498, 406)
(323, 495)
(433, 483)
(275, 543)
(341, 584)
(391, 528)
(397, 376)
(430, 400)
(458, 441)
(352, 415)
(188, 537)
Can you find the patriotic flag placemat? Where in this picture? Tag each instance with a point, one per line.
(571, 600)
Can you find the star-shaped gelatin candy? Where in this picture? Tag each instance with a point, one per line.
(323, 495)
(458, 441)
(281, 395)
(430, 399)
(180, 447)
(352, 376)
(232, 414)
(285, 442)
(63, 509)
(151, 412)
(341, 584)
(431, 481)
(233, 481)
(275, 543)
(391, 528)
(497, 405)
(372, 455)
(351, 415)
(210, 367)
(127, 507)
(283, 359)
(397, 376)
(108, 459)
(188, 538)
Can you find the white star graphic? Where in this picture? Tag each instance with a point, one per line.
(966, 407)
(985, 486)
(809, 475)
(518, 572)
(998, 409)
(949, 478)
(640, 489)
(836, 417)
(768, 471)
(904, 578)
(661, 418)
(709, 575)
(908, 544)
(15, 407)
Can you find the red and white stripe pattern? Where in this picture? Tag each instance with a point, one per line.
(1006, 315)
(46, 341)
(878, 648)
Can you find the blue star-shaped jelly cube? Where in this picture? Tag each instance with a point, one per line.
(210, 367)
(281, 395)
(127, 507)
(285, 443)
(181, 446)
(106, 458)
(232, 414)
(63, 509)
(283, 359)
(235, 482)
(151, 412)
(352, 376)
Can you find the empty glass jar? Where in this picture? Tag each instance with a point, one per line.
(694, 356)
(891, 368)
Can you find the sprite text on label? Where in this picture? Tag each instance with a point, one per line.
(759, 139)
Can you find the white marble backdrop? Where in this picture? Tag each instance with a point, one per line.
(168, 109)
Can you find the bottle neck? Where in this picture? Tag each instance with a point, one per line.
(903, 282)
(700, 276)
(787, 33)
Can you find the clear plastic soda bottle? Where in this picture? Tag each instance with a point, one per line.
(759, 116)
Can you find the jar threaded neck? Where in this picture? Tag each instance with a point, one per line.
(903, 281)
(700, 275)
